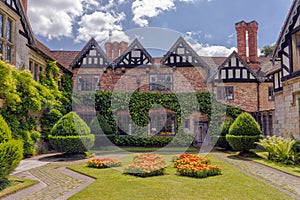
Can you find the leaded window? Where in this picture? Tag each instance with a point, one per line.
(270, 93)
(88, 83)
(161, 82)
(9, 30)
(225, 93)
(6, 37)
(163, 124)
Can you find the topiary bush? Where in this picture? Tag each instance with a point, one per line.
(221, 140)
(11, 152)
(243, 133)
(71, 135)
(48, 120)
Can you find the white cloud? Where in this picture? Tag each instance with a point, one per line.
(100, 25)
(143, 9)
(207, 50)
(208, 36)
(54, 19)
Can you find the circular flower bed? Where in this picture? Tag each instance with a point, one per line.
(146, 165)
(195, 166)
(104, 162)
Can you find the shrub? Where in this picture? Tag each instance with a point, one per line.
(146, 165)
(104, 162)
(71, 135)
(48, 120)
(221, 140)
(243, 133)
(195, 166)
(69, 125)
(280, 149)
(5, 132)
(11, 151)
(99, 126)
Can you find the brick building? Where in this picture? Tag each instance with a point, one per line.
(238, 80)
(286, 75)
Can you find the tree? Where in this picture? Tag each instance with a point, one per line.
(267, 50)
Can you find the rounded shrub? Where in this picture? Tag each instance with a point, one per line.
(11, 151)
(243, 133)
(71, 135)
(49, 119)
(5, 132)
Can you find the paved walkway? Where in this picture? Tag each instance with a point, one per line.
(55, 180)
(282, 181)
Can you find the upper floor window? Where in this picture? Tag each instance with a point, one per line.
(35, 69)
(225, 93)
(88, 83)
(6, 37)
(161, 82)
(270, 93)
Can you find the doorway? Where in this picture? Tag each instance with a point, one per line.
(200, 130)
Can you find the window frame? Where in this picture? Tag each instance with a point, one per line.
(7, 37)
(95, 85)
(271, 93)
(225, 93)
(161, 83)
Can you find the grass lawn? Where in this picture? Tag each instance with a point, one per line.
(294, 170)
(16, 184)
(232, 184)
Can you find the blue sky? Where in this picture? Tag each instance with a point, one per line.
(69, 24)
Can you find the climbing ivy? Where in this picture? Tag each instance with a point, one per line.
(138, 104)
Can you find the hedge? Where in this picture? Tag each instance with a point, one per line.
(72, 144)
(243, 143)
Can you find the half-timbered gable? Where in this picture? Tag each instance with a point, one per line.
(91, 56)
(234, 69)
(181, 54)
(135, 56)
(286, 77)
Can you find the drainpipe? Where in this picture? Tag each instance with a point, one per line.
(258, 97)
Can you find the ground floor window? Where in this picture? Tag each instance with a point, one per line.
(88, 82)
(162, 124)
(270, 93)
(161, 82)
(225, 93)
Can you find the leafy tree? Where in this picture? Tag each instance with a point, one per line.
(267, 50)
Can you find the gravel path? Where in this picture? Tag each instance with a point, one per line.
(282, 181)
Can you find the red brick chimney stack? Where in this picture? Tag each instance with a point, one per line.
(116, 50)
(108, 49)
(24, 4)
(252, 41)
(123, 47)
(241, 28)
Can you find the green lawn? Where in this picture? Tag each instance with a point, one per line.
(232, 184)
(290, 169)
(16, 184)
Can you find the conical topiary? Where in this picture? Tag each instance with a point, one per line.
(71, 135)
(243, 133)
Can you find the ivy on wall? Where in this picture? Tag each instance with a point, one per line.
(138, 105)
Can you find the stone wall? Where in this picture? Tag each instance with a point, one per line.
(286, 117)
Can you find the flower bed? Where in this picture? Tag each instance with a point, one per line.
(195, 166)
(104, 162)
(145, 165)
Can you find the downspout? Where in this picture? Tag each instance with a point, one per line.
(258, 97)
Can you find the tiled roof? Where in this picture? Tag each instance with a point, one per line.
(49, 54)
(213, 62)
(267, 66)
(65, 57)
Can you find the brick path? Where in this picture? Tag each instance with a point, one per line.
(282, 181)
(55, 182)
